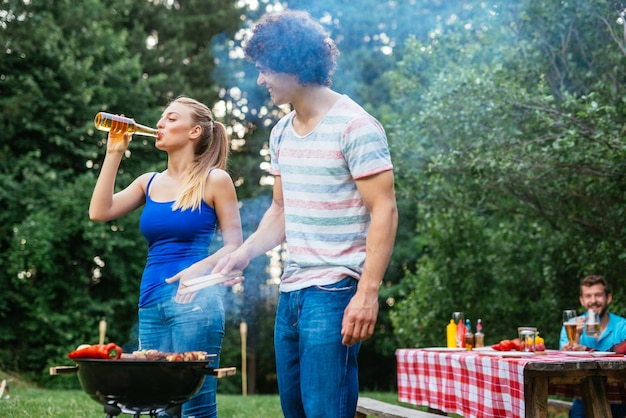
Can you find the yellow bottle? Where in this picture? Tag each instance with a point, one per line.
(451, 334)
(109, 122)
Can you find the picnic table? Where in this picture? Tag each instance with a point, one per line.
(483, 383)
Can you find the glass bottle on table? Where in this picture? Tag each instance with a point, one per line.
(469, 336)
(479, 337)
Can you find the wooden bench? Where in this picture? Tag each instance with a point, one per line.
(372, 407)
(560, 405)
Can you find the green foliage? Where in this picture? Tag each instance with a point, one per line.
(173, 42)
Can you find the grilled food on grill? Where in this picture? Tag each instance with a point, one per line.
(159, 355)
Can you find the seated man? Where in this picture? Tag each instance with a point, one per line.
(596, 296)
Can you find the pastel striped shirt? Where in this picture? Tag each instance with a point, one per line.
(326, 221)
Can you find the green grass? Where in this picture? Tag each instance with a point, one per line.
(38, 403)
(26, 401)
(33, 402)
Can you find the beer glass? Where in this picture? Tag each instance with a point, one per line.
(570, 324)
(592, 324)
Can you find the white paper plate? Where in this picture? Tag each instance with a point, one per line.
(444, 349)
(577, 353)
(513, 353)
(591, 353)
(606, 354)
(490, 349)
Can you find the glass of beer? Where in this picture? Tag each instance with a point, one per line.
(592, 325)
(570, 324)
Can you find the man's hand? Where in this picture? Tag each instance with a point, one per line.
(359, 319)
(237, 260)
(573, 347)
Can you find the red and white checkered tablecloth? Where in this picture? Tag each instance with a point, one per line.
(473, 385)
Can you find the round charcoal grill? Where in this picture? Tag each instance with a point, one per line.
(141, 387)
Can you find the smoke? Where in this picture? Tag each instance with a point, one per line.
(260, 286)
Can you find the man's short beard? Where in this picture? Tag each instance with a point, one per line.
(604, 310)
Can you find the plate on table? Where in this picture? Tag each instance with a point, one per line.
(511, 354)
(578, 353)
(444, 349)
(591, 353)
(606, 354)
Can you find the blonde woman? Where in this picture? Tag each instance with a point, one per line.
(182, 208)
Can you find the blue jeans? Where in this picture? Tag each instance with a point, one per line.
(578, 410)
(317, 375)
(197, 326)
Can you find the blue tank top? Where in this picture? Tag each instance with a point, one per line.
(176, 240)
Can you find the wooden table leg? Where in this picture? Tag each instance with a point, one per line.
(536, 397)
(595, 401)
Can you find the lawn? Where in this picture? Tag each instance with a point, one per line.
(26, 401)
(38, 403)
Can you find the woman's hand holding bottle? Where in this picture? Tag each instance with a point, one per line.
(118, 142)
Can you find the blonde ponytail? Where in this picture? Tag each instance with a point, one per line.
(212, 151)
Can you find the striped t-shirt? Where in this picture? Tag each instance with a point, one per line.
(326, 221)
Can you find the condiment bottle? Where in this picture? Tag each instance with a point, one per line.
(479, 337)
(109, 122)
(451, 334)
(469, 336)
(461, 329)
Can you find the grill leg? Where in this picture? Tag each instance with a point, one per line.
(175, 411)
(112, 410)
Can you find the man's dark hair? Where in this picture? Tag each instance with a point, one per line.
(292, 42)
(593, 280)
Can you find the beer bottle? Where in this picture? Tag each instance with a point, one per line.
(109, 122)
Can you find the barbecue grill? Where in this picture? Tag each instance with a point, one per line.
(142, 387)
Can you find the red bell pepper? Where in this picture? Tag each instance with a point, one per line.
(109, 351)
(517, 344)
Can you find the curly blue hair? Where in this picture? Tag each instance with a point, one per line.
(292, 42)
